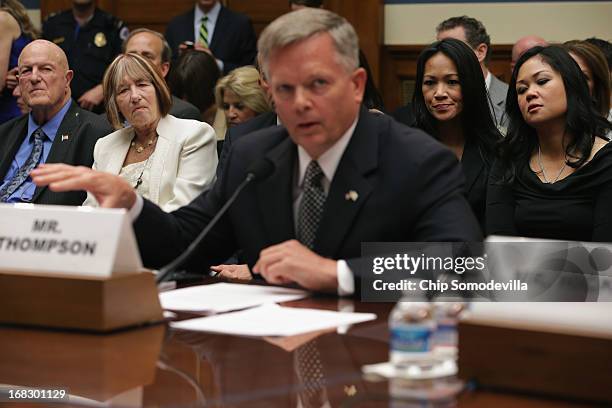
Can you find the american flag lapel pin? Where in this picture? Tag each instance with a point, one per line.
(351, 196)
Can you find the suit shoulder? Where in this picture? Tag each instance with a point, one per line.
(499, 83)
(260, 140)
(9, 125)
(184, 110)
(179, 20)
(189, 129)
(110, 20)
(98, 123)
(111, 137)
(409, 142)
(58, 16)
(236, 17)
(262, 121)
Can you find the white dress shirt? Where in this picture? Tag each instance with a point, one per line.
(211, 23)
(328, 162)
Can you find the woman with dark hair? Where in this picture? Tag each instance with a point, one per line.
(193, 79)
(553, 178)
(17, 31)
(594, 66)
(450, 103)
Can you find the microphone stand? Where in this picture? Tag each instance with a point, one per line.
(166, 270)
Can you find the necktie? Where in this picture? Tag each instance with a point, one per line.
(311, 207)
(309, 371)
(23, 172)
(203, 34)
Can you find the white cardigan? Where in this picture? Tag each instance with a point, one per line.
(182, 167)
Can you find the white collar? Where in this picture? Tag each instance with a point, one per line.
(330, 159)
(212, 14)
(488, 80)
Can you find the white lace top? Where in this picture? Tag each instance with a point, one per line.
(132, 172)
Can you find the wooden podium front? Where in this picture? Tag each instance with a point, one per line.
(566, 365)
(99, 305)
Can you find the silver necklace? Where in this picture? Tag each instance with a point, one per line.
(544, 171)
(139, 179)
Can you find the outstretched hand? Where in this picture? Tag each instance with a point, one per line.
(110, 191)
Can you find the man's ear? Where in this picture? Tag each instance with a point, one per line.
(165, 68)
(359, 78)
(481, 52)
(69, 76)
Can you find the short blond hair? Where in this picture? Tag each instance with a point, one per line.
(137, 68)
(244, 82)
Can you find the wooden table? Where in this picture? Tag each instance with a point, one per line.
(158, 366)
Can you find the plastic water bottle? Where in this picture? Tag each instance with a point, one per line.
(411, 325)
(444, 340)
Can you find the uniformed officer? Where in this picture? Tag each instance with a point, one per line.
(91, 38)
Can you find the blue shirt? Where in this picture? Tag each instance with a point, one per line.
(25, 192)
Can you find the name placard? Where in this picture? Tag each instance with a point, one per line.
(76, 241)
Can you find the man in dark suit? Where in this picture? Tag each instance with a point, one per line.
(154, 47)
(339, 175)
(234, 133)
(55, 131)
(227, 35)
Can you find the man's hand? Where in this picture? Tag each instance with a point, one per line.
(291, 261)
(11, 80)
(109, 190)
(200, 47)
(92, 98)
(239, 272)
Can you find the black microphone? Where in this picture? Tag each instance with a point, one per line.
(257, 171)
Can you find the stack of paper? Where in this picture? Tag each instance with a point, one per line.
(224, 297)
(272, 320)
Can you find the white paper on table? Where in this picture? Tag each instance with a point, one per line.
(272, 320)
(224, 297)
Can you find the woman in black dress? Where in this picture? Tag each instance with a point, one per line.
(553, 178)
(450, 102)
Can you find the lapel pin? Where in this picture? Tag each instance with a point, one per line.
(351, 195)
(64, 137)
(350, 390)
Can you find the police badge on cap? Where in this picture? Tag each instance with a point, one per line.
(100, 39)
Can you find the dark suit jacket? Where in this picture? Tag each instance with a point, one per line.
(184, 110)
(82, 128)
(409, 187)
(234, 133)
(405, 115)
(476, 172)
(233, 40)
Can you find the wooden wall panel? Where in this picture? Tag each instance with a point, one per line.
(260, 12)
(367, 16)
(135, 13)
